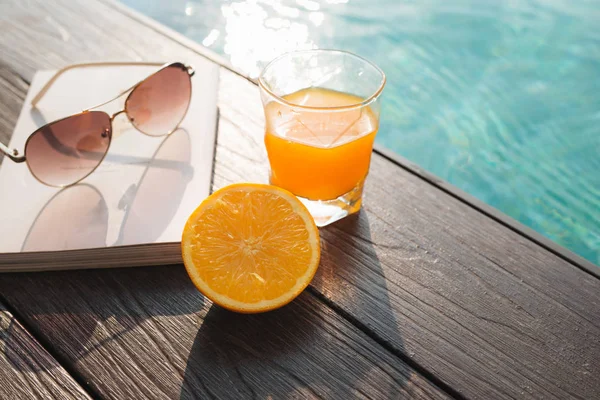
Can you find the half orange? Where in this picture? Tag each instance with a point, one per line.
(250, 247)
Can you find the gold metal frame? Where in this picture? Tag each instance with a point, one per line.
(17, 157)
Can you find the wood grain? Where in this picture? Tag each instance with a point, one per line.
(148, 333)
(27, 371)
(13, 89)
(487, 312)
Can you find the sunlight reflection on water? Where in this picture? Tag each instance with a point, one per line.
(250, 23)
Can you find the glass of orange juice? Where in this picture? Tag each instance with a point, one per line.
(322, 115)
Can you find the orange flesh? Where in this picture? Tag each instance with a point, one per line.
(251, 247)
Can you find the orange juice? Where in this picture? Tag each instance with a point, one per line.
(320, 153)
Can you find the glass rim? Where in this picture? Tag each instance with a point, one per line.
(264, 86)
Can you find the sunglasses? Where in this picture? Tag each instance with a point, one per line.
(66, 151)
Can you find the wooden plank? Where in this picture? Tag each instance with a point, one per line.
(13, 90)
(463, 293)
(486, 311)
(491, 212)
(27, 371)
(148, 333)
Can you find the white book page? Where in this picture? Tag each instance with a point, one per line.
(144, 190)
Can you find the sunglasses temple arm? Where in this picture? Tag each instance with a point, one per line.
(13, 154)
(61, 71)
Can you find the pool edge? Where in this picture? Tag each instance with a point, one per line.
(491, 212)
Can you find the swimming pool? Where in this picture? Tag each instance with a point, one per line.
(499, 98)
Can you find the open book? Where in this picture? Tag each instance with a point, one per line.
(132, 209)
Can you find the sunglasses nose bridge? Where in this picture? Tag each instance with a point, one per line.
(112, 117)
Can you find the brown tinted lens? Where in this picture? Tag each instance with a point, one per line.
(158, 104)
(64, 152)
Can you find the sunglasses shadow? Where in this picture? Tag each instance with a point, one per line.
(38, 117)
(149, 205)
(84, 206)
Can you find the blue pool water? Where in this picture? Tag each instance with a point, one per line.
(499, 98)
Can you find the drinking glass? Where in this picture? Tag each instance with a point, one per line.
(322, 114)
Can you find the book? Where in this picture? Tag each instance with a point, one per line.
(132, 209)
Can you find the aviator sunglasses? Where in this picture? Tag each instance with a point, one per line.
(64, 152)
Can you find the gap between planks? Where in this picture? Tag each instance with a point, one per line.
(50, 350)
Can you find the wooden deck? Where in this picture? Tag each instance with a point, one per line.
(424, 294)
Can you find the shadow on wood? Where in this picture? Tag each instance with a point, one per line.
(129, 297)
(293, 352)
(11, 346)
(20, 354)
(253, 356)
(349, 250)
(240, 356)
